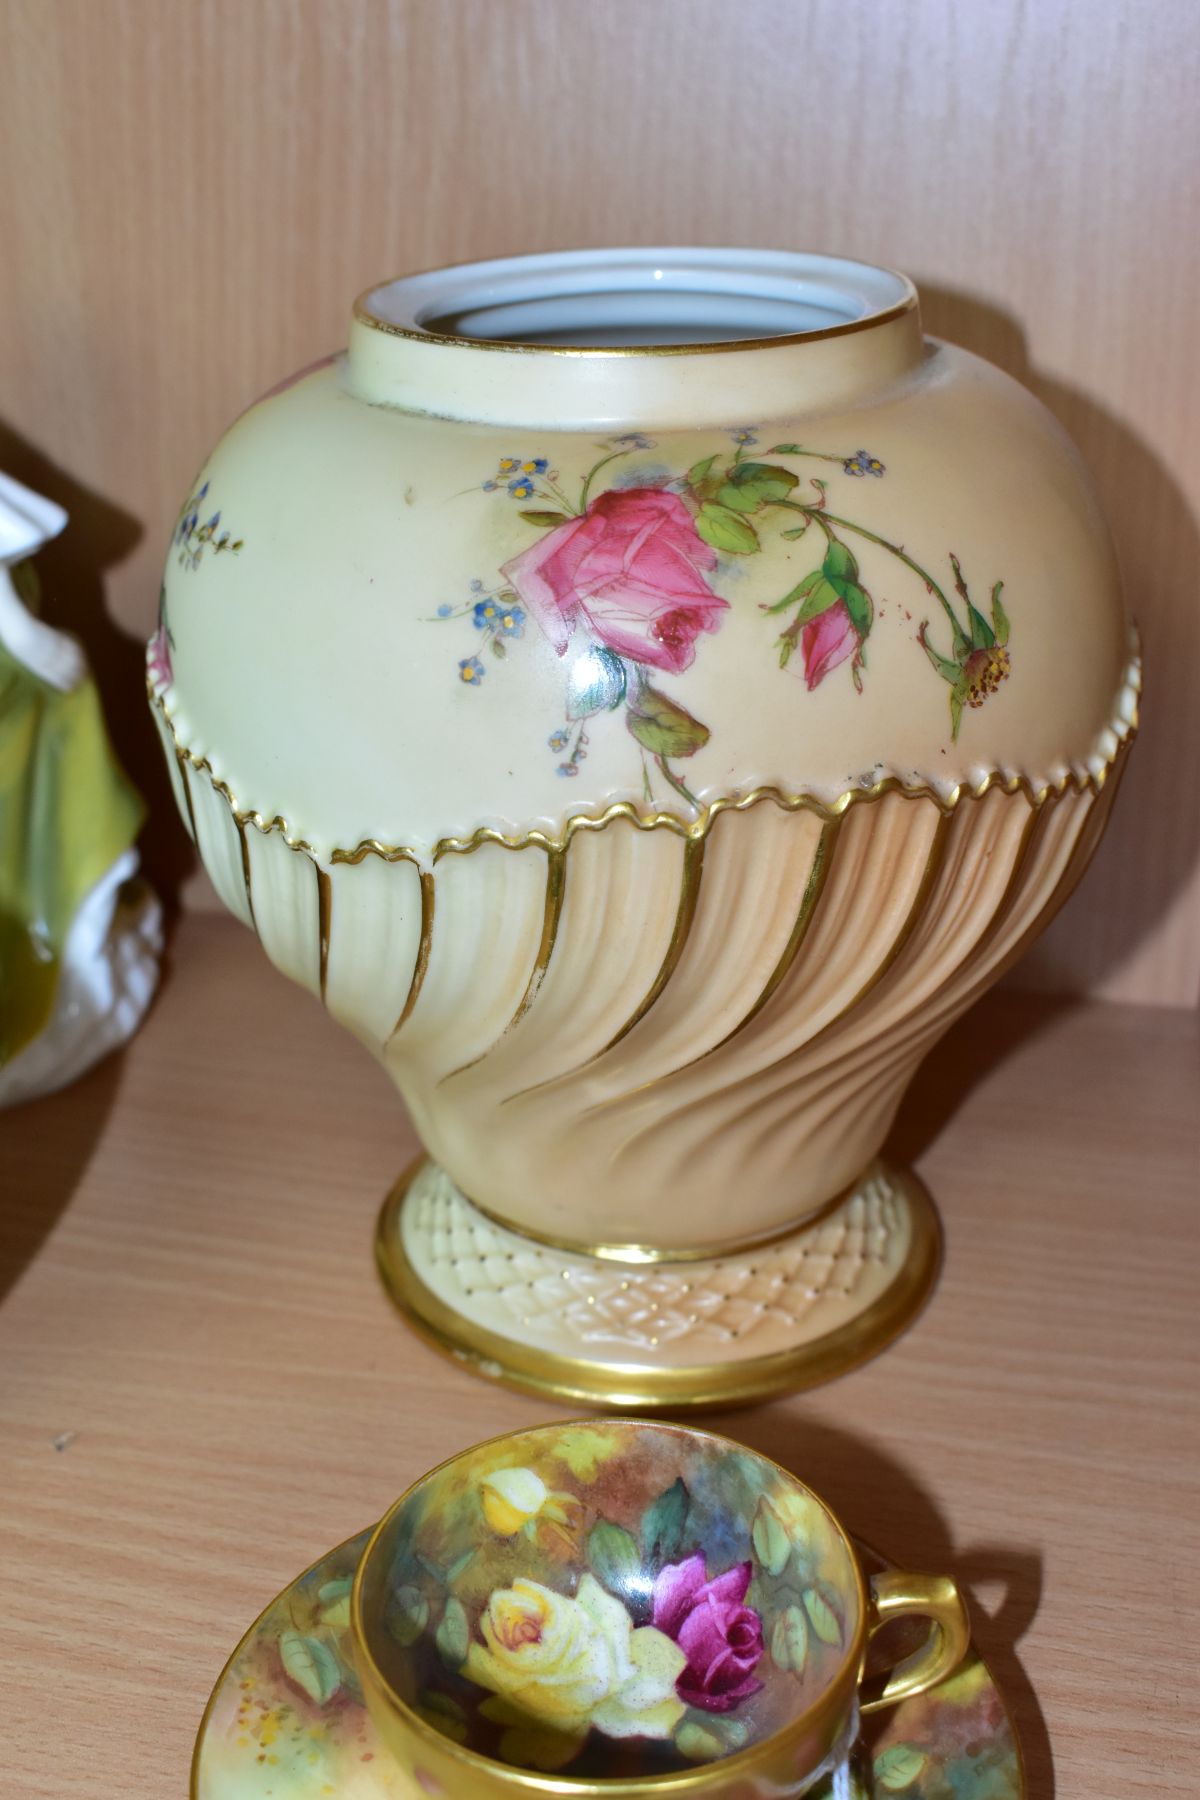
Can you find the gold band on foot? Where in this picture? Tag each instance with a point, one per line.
(723, 1331)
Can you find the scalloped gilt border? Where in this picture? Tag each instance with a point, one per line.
(1121, 731)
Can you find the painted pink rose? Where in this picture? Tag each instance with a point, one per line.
(630, 572)
(719, 1634)
(827, 641)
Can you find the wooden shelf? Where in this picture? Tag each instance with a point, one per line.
(204, 1386)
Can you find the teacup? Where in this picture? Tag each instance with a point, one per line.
(620, 1607)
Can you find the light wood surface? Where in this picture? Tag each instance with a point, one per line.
(193, 194)
(204, 1386)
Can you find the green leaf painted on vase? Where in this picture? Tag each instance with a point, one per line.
(614, 1557)
(982, 635)
(840, 571)
(311, 1665)
(663, 1523)
(840, 564)
(958, 694)
(740, 500)
(800, 592)
(453, 1637)
(948, 670)
(818, 594)
(822, 1616)
(763, 480)
(699, 470)
(858, 605)
(726, 530)
(662, 727)
(898, 1766)
(545, 517)
(769, 1535)
(999, 616)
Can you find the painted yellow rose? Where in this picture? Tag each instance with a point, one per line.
(517, 1499)
(566, 1663)
(511, 1497)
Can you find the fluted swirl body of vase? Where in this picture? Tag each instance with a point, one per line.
(647, 696)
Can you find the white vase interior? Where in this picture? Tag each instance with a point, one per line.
(639, 299)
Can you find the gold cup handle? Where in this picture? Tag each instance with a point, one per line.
(932, 1597)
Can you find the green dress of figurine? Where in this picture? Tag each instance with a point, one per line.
(78, 942)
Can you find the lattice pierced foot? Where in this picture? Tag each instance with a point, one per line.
(664, 1335)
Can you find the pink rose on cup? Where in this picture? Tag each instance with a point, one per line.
(719, 1634)
(628, 571)
(827, 641)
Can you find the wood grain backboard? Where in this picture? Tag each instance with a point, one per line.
(192, 194)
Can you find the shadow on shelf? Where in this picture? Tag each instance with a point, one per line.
(45, 1148)
(1139, 872)
(848, 1473)
(47, 1144)
(995, 1028)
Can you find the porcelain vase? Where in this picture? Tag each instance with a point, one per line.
(647, 696)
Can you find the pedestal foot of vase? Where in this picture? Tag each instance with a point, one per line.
(637, 1335)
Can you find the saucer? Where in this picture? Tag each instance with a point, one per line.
(286, 1719)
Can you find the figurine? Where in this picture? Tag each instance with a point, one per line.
(80, 934)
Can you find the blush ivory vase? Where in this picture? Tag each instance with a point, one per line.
(647, 696)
